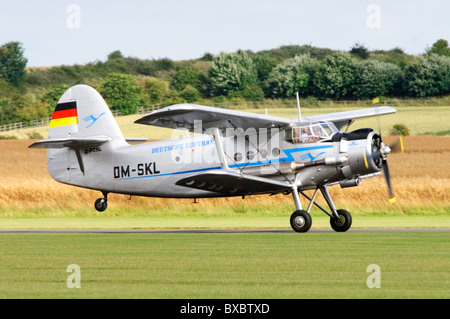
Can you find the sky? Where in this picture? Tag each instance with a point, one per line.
(59, 32)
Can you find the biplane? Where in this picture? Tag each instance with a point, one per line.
(223, 153)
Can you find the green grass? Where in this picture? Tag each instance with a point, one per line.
(441, 133)
(205, 222)
(262, 265)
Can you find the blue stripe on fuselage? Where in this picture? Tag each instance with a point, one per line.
(288, 152)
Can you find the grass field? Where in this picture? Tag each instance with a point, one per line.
(269, 265)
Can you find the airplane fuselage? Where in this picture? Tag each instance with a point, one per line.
(152, 169)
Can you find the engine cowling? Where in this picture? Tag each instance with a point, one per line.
(365, 155)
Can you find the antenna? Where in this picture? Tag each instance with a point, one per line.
(298, 107)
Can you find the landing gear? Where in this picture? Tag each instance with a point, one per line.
(301, 221)
(343, 223)
(340, 220)
(102, 203)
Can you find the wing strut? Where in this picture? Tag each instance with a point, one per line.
(298, 204)
(219, 148)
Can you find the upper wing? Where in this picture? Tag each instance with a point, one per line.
(341, 119)
(184, 116)
(231, 183)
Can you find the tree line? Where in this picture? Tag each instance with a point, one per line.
(128, 83)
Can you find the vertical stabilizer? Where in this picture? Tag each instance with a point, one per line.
(82, 112)
(81, 121)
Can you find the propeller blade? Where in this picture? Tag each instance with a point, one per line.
(397, 146)
(387, 176)
(382, 153)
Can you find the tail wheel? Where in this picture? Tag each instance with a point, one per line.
(301, 221)
(101, 204)
(344, 223)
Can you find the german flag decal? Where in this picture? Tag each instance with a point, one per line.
(65, 114)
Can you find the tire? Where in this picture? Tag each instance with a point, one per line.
(100, 204)
(301, 221)
(344, 223)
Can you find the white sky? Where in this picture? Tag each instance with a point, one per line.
(53, 33)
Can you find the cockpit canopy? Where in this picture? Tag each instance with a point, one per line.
(310, 132)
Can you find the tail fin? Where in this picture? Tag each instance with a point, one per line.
(81, 119)
(82, 112)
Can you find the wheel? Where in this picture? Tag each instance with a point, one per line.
(100, 204)
(301, 221)
(344, 222)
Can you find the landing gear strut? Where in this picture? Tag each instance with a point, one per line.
(340, 220)
(102, 203)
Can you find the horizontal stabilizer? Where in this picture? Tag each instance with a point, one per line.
(234, 184)
(75, 143)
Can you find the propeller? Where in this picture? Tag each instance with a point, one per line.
(383, 152)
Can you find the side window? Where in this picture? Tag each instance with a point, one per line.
(308, 133)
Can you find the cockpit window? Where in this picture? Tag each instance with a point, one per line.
(310, 132)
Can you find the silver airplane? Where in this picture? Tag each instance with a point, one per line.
(223, 153)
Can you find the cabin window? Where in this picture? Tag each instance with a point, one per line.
(310, 132)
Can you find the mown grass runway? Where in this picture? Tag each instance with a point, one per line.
(256, 265)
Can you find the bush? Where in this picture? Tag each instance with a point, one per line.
(188, 76)
(190, 94)
(7, 112)
(34, 135)
(156, 90)
(335, 76)
(8, 137)
(428, 76)
(359, 50)
(400, 129)
(232, 72)
(249, 93)
(374, 78)
(263, 66)
(51, 97)
(27, 108)
(291, 76)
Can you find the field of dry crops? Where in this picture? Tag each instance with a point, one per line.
(420, 177)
